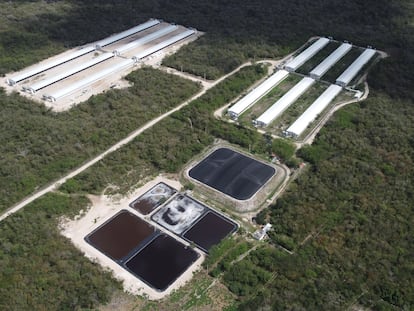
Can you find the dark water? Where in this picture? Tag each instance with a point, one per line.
(161, 262)
(210, 230)
(153, 198)
(120, 235)
(232, 173)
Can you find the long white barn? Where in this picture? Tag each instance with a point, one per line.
(54, 63)
(284, 102)
(153, 36)
(331, 60)
(353, 69)
(129, 32)
(253, 96)
(164, 44)
(306, 54)
(300, 125)
(43, 83)
(124, 64)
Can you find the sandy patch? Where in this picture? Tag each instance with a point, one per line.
(103, 208)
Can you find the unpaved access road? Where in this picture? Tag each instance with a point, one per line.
(56, 184)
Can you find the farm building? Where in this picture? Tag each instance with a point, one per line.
(353, 69)
(122, 65)
(43, 83)
(73, 55)
(153, 36)
(164, 44)
(313, 111)
(284, 102)
(331, 60)
(253, 96)
(299, 60)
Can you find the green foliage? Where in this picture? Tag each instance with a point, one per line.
(39, 145)
(283, 148)
(40, 268)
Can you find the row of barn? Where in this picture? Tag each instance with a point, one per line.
(298, 127)
(122, 62)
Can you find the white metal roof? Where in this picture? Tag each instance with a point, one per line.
(328, 62)
(88, 80)
(126, 33)
(254, 95)
(355, 67)
(306, 54)
(284, 102)
(153, 36)
(314, 110)
(164, 44)
(50, 64)
(43, 83)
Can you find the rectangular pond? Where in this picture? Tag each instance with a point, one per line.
(121, 235)
(153, 198)
(179, 214)
(210, 230)
(232, 173)
(161, 262)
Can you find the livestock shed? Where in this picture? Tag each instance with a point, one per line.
(126, 63)
(297, 128)
(284, 102)
(78, 53)
(253, 96)
(331, 60)
(164, 44)
(353, 69)
(153, 36)
(43, 83)
(126, 33)
(300, 59)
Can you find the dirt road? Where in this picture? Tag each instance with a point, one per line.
(54, 185)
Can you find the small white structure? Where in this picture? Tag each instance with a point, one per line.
(164, 44)
(256, 94)
(299, 60)
(43, 83)
(353, 69)
(153, 36)
(331, 60)
(261, 233)
(51, 64)
(313, 111)
(284, 102)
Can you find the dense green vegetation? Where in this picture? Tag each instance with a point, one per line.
(354, 204)
(39, 145)
(42, 270)
(174, 141)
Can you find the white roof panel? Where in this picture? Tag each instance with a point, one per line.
(254, 95)
(285, 101)
(50, 64)
(89, 80)
(43, 83)
(127, 33)
(314, 110)
(331, 60)
(306, 54)
(153, 36)
(164, 44)
(355, 67)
